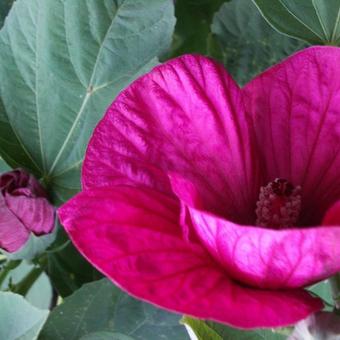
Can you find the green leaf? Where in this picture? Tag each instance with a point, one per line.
(249, 44)
(19, 319)
(206, 330)
(316, 21)
(200, 329)
(67, 269)
(62, 63)
(5, 6)
(323, 290)
(193, 26)
(106, 336)
(3, 166)
(101, 307)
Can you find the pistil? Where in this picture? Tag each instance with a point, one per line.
(279, 204)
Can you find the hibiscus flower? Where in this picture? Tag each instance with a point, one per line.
(207, 199)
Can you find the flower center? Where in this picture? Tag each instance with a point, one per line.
(279, 204)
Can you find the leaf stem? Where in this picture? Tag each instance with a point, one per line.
(24, 285)
(58, 249)
(7, 268)
(27, 282)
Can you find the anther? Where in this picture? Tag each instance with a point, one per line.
(279, 204)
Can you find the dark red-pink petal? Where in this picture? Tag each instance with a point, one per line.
(332, 216)
(185, 116)
(19, 182)
(295, 107)
(13, 234)
(268, 258)
(35, 213)
(132, 236)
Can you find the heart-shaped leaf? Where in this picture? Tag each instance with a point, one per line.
(19, 319)
(316, 21)
(100, 308)
(62, 63)
(249, 44)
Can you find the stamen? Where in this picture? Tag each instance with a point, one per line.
(279, 204)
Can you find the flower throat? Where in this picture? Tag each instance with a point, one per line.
(279, 204)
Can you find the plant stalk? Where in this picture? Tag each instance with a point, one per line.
(27, 282)
(7, 268)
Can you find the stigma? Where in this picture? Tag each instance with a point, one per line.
(279, 204)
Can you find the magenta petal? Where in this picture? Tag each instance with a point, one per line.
(295, 107)
(269, 258)
(35, 213)
(13, 234)
(185, 191)
(132, 236)
(185, 116)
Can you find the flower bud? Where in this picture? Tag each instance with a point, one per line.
(24, 209)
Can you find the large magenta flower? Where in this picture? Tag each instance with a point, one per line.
(24, 210)
(207, 199)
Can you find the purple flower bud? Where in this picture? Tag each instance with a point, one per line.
(24, 209)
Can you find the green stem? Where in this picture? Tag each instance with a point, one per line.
(58, 249)
(7, 268)
(27, 282)
(335, 285)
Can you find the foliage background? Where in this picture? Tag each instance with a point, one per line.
(61, 63)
